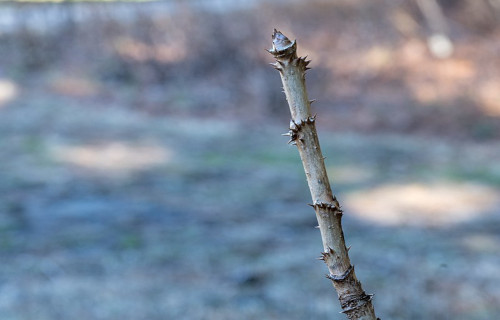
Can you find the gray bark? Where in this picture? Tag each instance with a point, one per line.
(355, 303)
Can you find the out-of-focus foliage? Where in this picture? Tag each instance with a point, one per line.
(171, 58)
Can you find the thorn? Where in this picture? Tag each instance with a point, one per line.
(306, 61)
(316, 227)
(348, 248)
(286, 134)
(324, 256)
(275, 65)
(310, 101)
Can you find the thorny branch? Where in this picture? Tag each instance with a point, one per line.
(355, 303)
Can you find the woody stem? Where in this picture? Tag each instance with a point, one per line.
(355, 303)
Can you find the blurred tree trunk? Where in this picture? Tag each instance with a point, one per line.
(355, 303)
(439, 42)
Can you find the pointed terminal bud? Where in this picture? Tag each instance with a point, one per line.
(282, 46)
(280, 41)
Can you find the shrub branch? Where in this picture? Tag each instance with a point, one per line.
(355, 303)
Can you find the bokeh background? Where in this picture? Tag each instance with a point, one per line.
(143, 174)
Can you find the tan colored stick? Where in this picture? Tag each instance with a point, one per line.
(355, 303)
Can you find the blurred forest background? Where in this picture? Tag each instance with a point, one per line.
(143, 175)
